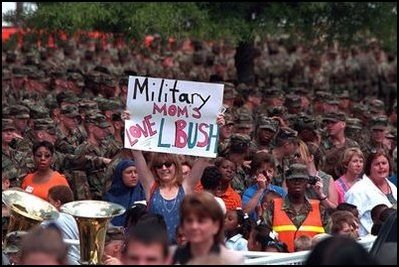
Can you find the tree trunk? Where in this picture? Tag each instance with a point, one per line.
(244, 62)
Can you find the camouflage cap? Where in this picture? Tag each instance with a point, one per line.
(123, 81)
(58, 74)
(114, 233)
(292, 100)
(5, 74)
(391, 133)
(273, 92)
(354, 123)
(20, 71)
(108, 80)
(229, 118)
(7, 124)
(11, 56)
(335, 116)
(279, 111)
(76, 77)
(229, 91)
(321, 95)
(238, 142)
(300, 91)
(44, 124)
(13, 241)
(265, 122)
(39, 112)
(376, 105)
(108, 104)
(67, 96)
(20, 112)
(297, 171)
(284, 134)
(87, 104)
(98, 120)
(332, 100)
(244, 120)
(70, 111)
(344, 95)
(379, 123)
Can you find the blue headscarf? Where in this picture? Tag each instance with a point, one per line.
(120, 194)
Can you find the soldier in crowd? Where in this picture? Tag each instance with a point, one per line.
(265, 131)
(285, 144)
(336, 142)
(97, 127)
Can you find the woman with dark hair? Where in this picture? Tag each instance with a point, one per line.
(202, 219)
(44, 178)
(339, 250)
(125, 188)
(373, 189)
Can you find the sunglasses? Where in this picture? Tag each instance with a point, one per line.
(160, 165)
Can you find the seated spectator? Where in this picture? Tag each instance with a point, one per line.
(344, 223)
(12, 248)
(237, 227)
(146, 244)
(58, 196)
(125, 188)
(258, 237)
(213, 182)
(375, 217)
(114, 239)
(262, 171)
(302, 243)
(348, 207)
(44, 178)
(339, 250)
(44, 246)
(134, 213)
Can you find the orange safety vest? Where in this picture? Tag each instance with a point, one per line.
(288, 232)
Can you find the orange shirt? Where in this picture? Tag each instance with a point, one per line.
(231, 198)
(41, 189)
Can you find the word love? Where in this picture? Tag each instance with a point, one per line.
(186, 134)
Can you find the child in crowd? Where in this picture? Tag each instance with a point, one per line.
(349, 207)
(344, 223)
(375, 217)
(237, 227)
(302, 243)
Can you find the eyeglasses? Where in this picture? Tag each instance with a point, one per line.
(167, 165)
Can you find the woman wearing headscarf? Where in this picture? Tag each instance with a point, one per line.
(125, 188)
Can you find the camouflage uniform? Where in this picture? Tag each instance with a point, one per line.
(265, 123)
(283, 135)
(96, 178)
(68, 144)
(333, 154)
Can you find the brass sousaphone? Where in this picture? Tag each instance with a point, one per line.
(26, 210)
(92, 218)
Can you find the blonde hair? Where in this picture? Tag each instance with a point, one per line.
(159, 158)
(348, 155)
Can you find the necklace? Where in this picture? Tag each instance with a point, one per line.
(169, 205)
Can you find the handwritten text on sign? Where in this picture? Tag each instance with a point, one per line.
(173, 116)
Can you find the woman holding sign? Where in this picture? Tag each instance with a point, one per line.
(164, 185)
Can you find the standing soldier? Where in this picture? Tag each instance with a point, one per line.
(69, 137)
(336, 142)
(265, 131)
(97, 129)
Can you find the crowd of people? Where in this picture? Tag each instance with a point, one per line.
(306, 156)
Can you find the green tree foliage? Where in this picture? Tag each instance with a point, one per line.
(324, 22)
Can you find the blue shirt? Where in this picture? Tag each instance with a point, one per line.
(237, 243)
(250, 192)
(169, 209)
